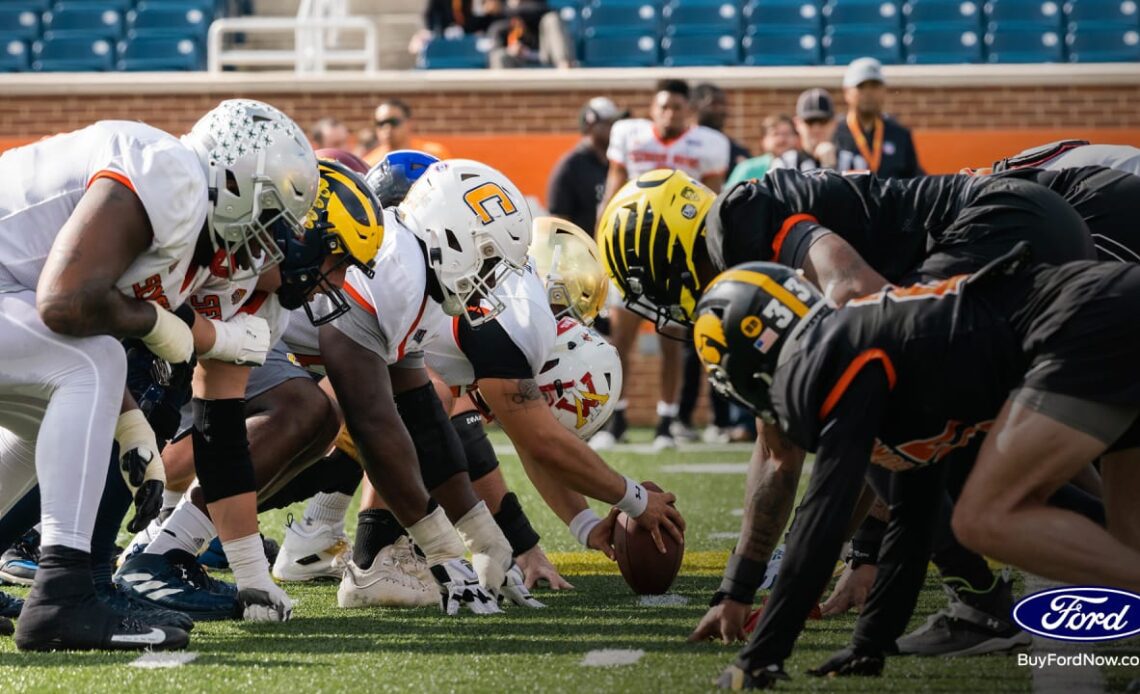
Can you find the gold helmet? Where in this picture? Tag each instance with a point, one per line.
(566, 259)
(648, 236)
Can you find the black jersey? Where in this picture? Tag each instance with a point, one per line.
(907, 230)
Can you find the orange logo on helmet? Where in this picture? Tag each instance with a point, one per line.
(477, 199)
(708, 335)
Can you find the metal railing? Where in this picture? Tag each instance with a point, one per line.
(314, 41)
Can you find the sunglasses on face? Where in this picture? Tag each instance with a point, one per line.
(394, 122)
(817, 121)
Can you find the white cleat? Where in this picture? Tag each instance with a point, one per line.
(404, 553)
(664, 443)
(602, 441)
(311, 552)
(387, 583)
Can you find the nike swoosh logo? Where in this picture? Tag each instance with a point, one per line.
(154, 638)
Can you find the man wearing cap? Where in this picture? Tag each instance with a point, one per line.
(579, 178)
(815, 122)
(867, 139)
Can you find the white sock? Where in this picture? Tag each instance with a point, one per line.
(328, 509)
(187, 529)
(621, 405)
(668, 409)
(247, 560)
(170, 498)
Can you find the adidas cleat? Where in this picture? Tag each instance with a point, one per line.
(6, 627)
(10, 605)
(175, 581)
(122, 600)
(311, 552)
(19, 562)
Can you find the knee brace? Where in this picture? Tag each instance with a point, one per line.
(515, 525)
(437, 445)
(221, 449)
(481, 459)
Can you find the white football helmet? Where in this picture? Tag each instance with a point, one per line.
(475, 224)
(261, 173)
(582, 379)
(566, 259)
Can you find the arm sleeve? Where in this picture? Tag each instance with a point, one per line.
(492, 352)
(822, 518)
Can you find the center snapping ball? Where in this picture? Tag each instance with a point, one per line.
(646, 570)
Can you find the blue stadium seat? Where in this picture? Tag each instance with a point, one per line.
(1104, 45)
(211, 8)
(942, 45)
(1041, 14)
(779, 47)
(448, 54)
(34, 5)
(1089, 14)
(14, 56)
(931, 14)
(610, 18)
(118, 5)
(700, 49)
(20, 22)
(621, 50)
(159, 54)
(73, 54)
(87, 20)
(841, 45)
(689, 17)
(169, 20)
(878, 14)
(1024, 45)
(799, 15)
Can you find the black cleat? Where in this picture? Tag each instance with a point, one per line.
(19, 562)
(6, 628)
(122, 600)
(10, 606)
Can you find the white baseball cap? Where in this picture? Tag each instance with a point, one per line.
(863, 70)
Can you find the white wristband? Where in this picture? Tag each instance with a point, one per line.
(170, 338)
(583, 524)
(243, 339)
(635, 499)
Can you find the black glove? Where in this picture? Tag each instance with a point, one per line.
(851, 661)
(148, 497)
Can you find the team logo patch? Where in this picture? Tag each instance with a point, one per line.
(708, 335)
(751, 326)
(689, 211)
(1080, 613)
(689, 194)
(579, 398)
(237, 296)
(419, 335)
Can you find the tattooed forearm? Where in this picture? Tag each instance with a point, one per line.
(525, 394)
(770, 495)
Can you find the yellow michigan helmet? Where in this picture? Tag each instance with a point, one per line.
(648, 237)
(566, 260)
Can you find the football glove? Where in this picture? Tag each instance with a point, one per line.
(266, 603)
(851, 661)
(259, 599)
(243, 339)
(459, 585)
(141, 466)
(761, 678)
(491, 554)
(514, 589)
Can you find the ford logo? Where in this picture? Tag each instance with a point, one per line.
(1080, 613)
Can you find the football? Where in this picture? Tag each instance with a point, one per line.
(645, 570)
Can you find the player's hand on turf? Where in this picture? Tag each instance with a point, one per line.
(141, 466)
(851, 661)
(661, 514)
(724, 620)
(537, 567)
(459, 585)
(601, 537)
(851, 590)
(760, 678)
(515, 590)
(265, 603)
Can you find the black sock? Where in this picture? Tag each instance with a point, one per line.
(63, 576)
(512, 520)
(663, 426)
(375, 529)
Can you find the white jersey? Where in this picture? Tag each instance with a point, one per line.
(699, 151)
(44, 181)
(220, 299)
(527, 320)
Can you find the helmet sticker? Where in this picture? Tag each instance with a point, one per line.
(751, 326)
(708, 336)
(478, 197)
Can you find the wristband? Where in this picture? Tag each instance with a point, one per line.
(866, 542)
(635, 499)
(170, 338)
(742, 578)
(583, 524)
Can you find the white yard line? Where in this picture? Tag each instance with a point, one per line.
(155, 660)
(1056, 679)
(666, 600)
(609, 657)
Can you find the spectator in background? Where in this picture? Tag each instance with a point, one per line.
(531, 34)
(867, 139)
(711, 104)
(329, 133)
(394, 131)
(815, 123)
(452, 19)
(579, 178)
(779, 139)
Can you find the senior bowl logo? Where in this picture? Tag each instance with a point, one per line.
(1080, 613)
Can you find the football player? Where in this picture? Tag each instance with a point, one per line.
(101, 242)
(1033, 354)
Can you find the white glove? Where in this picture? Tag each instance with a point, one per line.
(490, 552)
(514, 589)
(266, 604)
(141, 465)
(170, 338)
(243, 339)
(458, 585)
(260, 599)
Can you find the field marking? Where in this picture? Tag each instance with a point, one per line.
(706, 468)
(727, 535)
(154, 661)
(666, 600)
(703, 563)
(1072, 679)
(610, 657)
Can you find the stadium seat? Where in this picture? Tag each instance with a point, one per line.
(780, 47)
(938, 45)
(841, 45)
(700, 49)
(19, 22)
(932, 14)
(877, 14)
(34, 5)
(117, 5)
(88, 21)
(169, 20)
(709, 17)
(1039, 14)
(616, 18)
(73, 54)
(1104, 45)
(156, 54)
(1090, 14)
(628, 50)
(14, 56)
(1024, 45)
(797, 15)
(461, 53)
